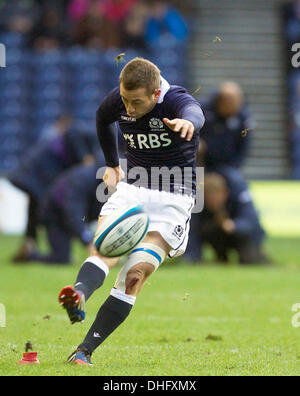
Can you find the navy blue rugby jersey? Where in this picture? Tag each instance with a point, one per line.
(149, 142)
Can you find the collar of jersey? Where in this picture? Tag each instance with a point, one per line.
(164, 86)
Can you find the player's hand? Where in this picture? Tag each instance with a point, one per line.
(184, 127)
(112, 176)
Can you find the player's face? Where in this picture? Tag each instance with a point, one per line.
(138, 102)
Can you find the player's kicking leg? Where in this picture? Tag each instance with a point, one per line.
(142, 262)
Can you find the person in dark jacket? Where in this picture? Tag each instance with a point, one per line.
(40, 166)
(70, 205)
(228, 222)
(226, 134)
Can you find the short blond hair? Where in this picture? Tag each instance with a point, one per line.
(140, 73)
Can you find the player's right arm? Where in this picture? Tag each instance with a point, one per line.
(108, 137)
(112, 176)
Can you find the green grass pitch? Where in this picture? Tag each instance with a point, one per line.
(247, 311)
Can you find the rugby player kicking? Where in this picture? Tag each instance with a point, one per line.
(160, 124)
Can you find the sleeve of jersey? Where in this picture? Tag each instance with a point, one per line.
(106, 117)
(187, 108)
(194, 114)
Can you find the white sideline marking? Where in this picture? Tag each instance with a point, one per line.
(2, 316)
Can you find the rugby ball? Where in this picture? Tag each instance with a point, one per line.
(121, 231)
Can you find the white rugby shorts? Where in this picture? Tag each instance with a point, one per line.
(169, 213)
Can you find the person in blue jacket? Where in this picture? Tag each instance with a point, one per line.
(225, 138)
(165, 19)
(228, 222)
(226, 135)
(38, 169)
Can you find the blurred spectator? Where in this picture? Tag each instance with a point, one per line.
(87, 22)
(292, 21)
(88, 31)
(66, 212)
(38, 86)
(228, 222)
(135, 26)
(50, 32)
(116, 11)
(113, 10)
(99, 23)
(292, 30)
(40, 166)
(18, 16)
(78, 9)
(164, 19)
(226, 133)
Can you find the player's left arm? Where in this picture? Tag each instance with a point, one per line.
(106, 117)
(188, 120)
(77, 144)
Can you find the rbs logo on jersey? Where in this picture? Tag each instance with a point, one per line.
(2, 55)
(149, 141)
(296, 57)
